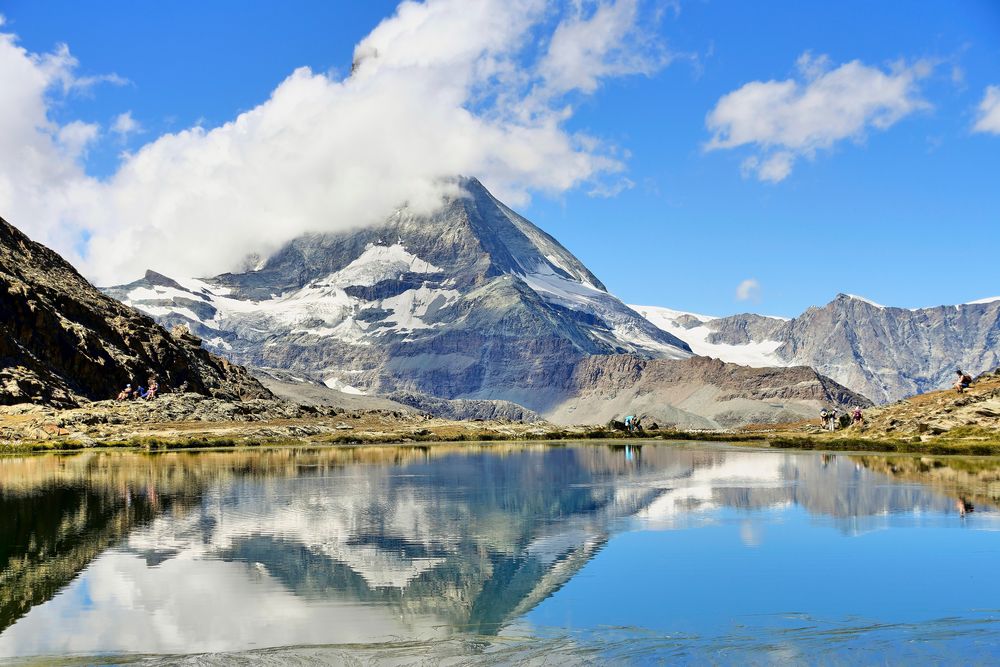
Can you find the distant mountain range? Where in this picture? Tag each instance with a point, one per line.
(471, 302)
(882, 352)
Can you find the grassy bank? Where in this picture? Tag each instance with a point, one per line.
(937, 447)
(981, 445)
(181, 442)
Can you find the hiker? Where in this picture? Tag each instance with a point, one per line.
(964, 380)
(832, 417)
(150, 392)
(859, 418)
(125, 393)
(629, 419)
(824, 417)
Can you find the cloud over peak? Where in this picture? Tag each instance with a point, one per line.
(795, 118)
(440, 88)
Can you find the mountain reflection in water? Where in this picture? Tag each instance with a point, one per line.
(227, 551)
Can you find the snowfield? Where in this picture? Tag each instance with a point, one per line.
(757, 355)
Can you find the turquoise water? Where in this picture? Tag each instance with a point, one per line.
(524, 554)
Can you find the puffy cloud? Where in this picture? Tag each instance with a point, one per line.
(76, 136)
(40, 178)
(748, 290)
(989, 112)
(124, 125)
(610, 41)
(786, 120)
(440, 88)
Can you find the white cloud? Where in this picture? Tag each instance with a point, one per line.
(40, 178)
(786, 120)
(610, 189)
(610, 41)
(76, 136)
(441, 88)
(989, 112)
(748, 290)
(125, 125)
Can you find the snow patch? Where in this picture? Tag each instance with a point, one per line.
(219, 342)
(666, 318)
(338, 385)
(570, 293)
(868, 301)
(378, 263)
(584, 297)
(978, 301)
(759, 354)
(410, 307)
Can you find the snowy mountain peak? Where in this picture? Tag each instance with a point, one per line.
(472, 301)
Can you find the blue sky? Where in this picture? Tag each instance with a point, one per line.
(903, 209)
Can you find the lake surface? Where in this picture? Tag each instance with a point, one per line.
(530, 554)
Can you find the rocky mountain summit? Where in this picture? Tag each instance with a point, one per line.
(882, 352)
(472, 301)
(63, 342)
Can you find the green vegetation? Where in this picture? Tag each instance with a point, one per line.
(969, 440)
(938, 446)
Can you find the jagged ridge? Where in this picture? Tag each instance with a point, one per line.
(63, 341)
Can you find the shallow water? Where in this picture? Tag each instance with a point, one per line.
(664, 552)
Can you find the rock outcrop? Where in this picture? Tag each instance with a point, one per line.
(462, 409)
(974, 412)
(302, 389)
(696, 393)
(63, 342)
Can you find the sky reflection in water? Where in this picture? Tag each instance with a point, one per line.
(507, 552)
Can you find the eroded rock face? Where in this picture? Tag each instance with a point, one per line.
(890, 353)
(62, 341)
(696, 393)
(461, 409)
(882, 352)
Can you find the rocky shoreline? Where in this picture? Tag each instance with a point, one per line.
(184, 420)
(944, 422)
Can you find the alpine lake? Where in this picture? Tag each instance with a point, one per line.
(569, 553)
